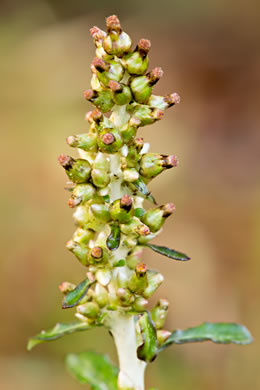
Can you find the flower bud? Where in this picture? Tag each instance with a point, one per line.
(121, 92)
(159, 313)
(125, 296)
(81, 194)
(133, 155)
(162, 336)
(134, 257)
(100, 178)
(130, 175)
(98, 255)
(104, 276)
(109, 141)
(135, 227)
(98, 35)
(101, 99)
(163, 102)
(140, 304)
(87, 142)
(66, 287)
(155, 218)
(155, 279)
(89, 309)
(121, 210)
(129, 130)
(80, 251)
(101, 212)
(94, 117)
(147, 115)
(153, 164)
(77, 170)
(136, 63)
(116, 42)
(141, 87)
(107, 71)
(83, 236)
(138, 281)
(101, 295)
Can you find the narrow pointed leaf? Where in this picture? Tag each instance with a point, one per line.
(113, 240)
(141, 187)
(171, 253)
(94, 369)
(148, 350)
(74, 297)
(58, 331)
(223, 333)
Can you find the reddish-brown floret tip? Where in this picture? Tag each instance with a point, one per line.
(163, 303)
(172, 99)
(173, 161)
(88, 94)
(143, 230)
(126, 200)
(114, 85)
(65, 160)
(94, 115)
(97, 34)
(70, 140)
(72, 202)
(158, 114)
(157, 73)
(97, 252)
(99, 64)
(168, 209)
(144, 45)
(113, 24)
(139, 143)
(108, 139)
(141, 268)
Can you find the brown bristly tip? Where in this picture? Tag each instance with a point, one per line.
(94, 115)
(108, 138)
(155, 75)
(143, 230)
(65, 161)
(70, 140)
(100, 64)
(172, 99)
(97, 33)
(168, 209)
(163, 303)
(172, 161)
(97, 252)
(139, 143)
(144, 45)
(158, 114)
(141, 268)
(113, 24)
(66, 287)
(88, 94)
(114, 85)
(126, 201)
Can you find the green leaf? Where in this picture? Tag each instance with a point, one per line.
(74, 297)
(139, 212)
(58, 331)
(106, 198)
(94, 369)
(148, 350)
(171, 253)
(113, 240)
(120, 263)
(141, 187)
(223, 333)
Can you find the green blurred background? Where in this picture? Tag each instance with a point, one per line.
(209, 51)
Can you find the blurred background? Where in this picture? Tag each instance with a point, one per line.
(209, 51)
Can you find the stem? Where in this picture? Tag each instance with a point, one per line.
(122, 327)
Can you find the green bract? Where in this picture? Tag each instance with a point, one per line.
(108, 184)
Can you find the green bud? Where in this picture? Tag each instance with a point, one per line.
(77, 170)
(81, 216)
(101, 295)
(101, 212)
(153, 164)
(142, 86)
(101, 162)
(163, 102)
(136, 63)
(83, 236)
(135, 227)
(109, 141)
(138, 281)
(89, 309)
(147, 115)
(134, 257)
(113, 240)
(125, 296)
(162, 336)
(100, 177)
(81, 194)
(87, 142)
(80, 251)
(155, 218)
(98, 255)
(116, 42)
(134, 156)
(107, 71)
(121, 92)
(121, 210)
(101, 99)
(66, 287)
(155, 279)
(104, 276)
(140, 304)
(129, 130)
(159, 313)
(130, 175)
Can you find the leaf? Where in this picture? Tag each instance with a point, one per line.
(120, 263)
(139, 212)
(94, 369)
(58, 331)
(141, 187)
(113, 240)
(148, 350)
(74, 297)
(223, 333)
(171, 253)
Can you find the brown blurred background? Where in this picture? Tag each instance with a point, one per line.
(209, 51)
